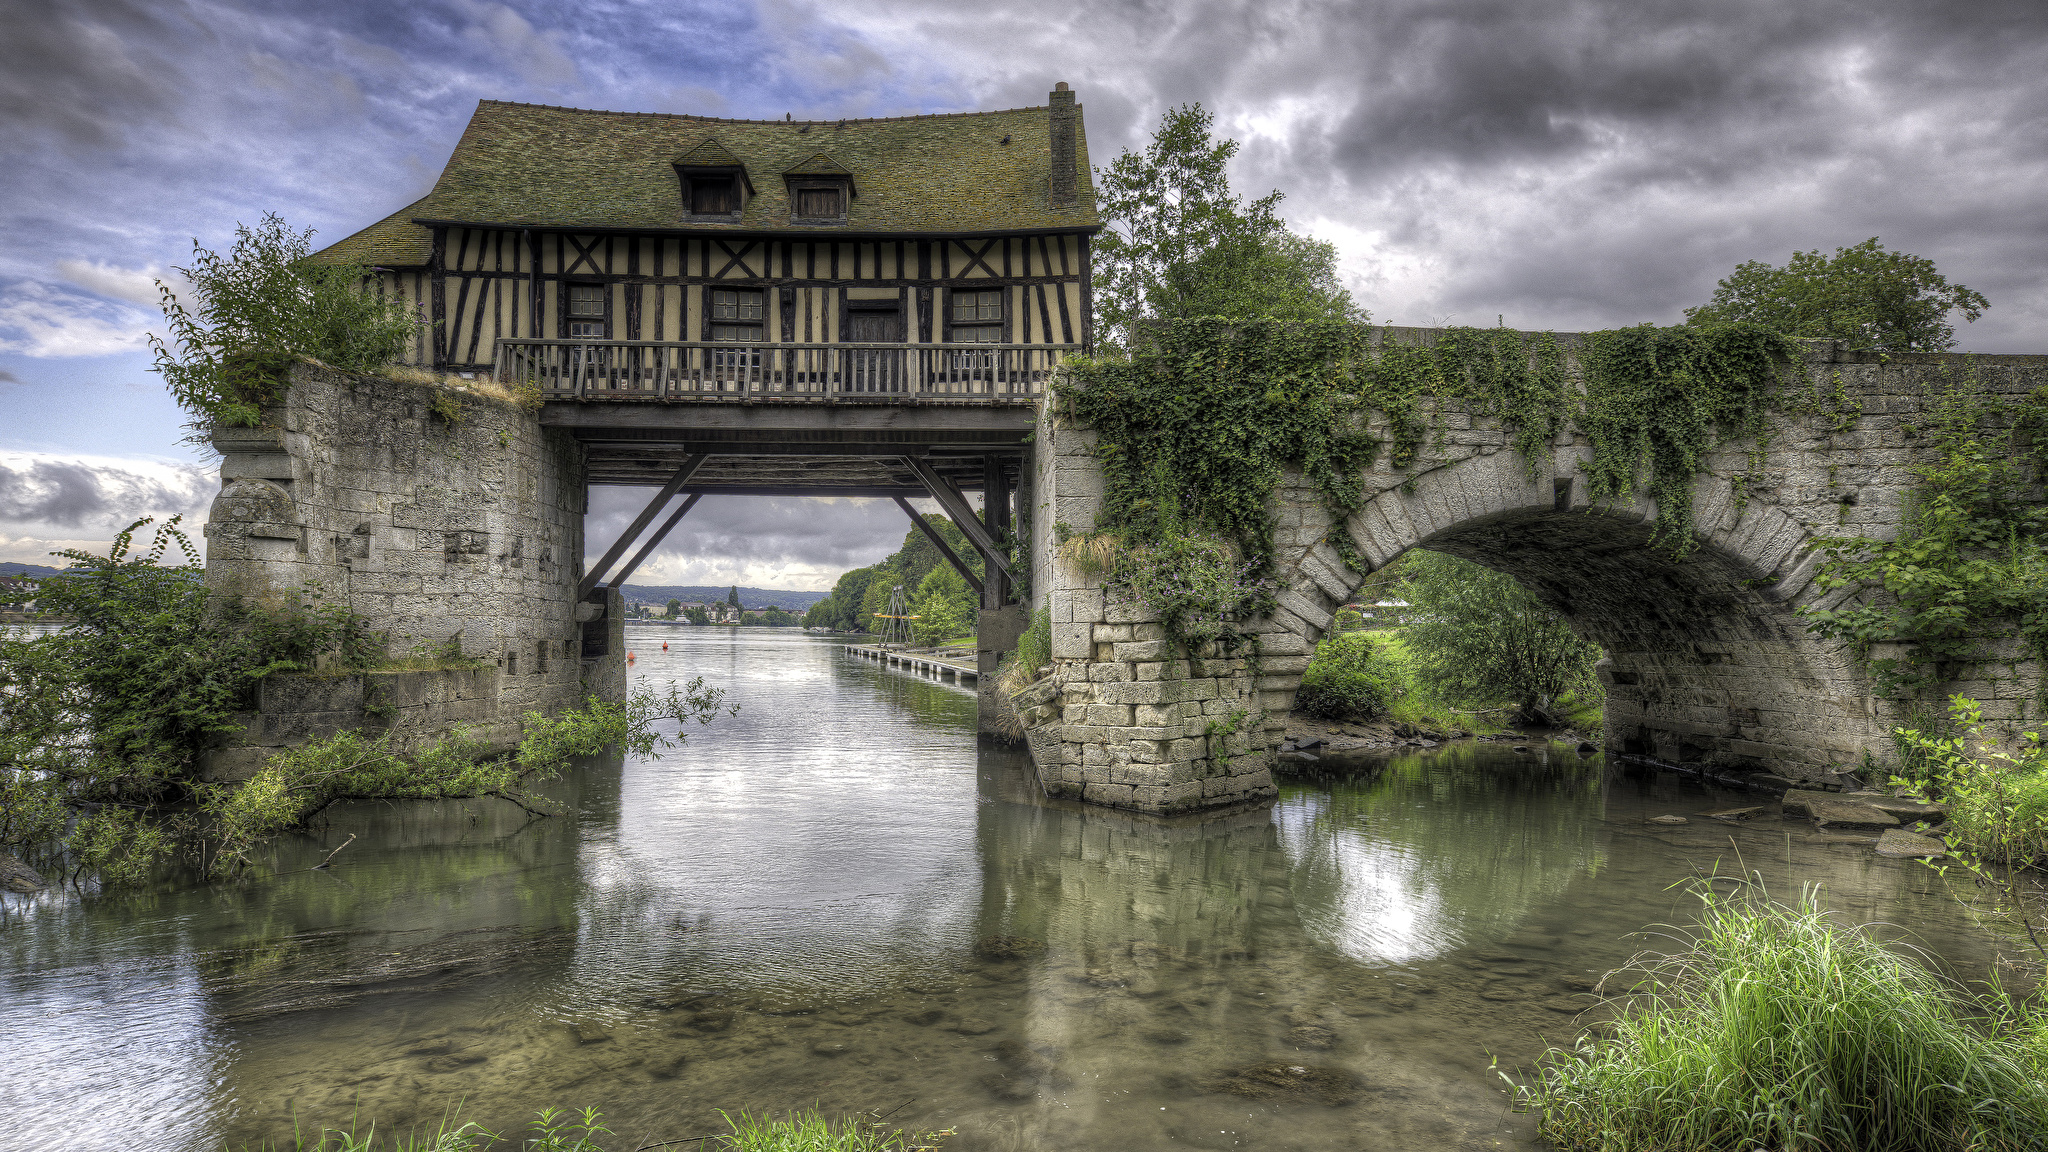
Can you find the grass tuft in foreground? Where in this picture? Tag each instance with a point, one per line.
(1781, 1029)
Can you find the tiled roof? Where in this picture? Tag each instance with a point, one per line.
(529, 165)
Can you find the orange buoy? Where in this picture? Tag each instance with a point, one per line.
(664, 645)
(629, 657)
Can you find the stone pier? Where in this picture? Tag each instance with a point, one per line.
(454, 532)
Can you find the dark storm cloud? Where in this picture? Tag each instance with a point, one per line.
(1581, 163)
(86, 72)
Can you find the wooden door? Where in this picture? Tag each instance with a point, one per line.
(875, 370)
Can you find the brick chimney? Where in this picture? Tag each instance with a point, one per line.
(1063, 188)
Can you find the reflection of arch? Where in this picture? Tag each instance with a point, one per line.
(1707, 660)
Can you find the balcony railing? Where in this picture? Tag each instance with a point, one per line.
(689, 370)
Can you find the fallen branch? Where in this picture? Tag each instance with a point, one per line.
(337, 851)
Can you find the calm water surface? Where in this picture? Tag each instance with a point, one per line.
(835, 900)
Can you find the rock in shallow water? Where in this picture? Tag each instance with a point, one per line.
(1305, 1083)
(1899, 842)
(1669, 820)
(18, 877)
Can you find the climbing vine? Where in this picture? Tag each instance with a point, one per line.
(1657, 400)
(1194, 430)
(1970, 550)
(1198, 425)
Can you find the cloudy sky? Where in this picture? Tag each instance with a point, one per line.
(1561, 164)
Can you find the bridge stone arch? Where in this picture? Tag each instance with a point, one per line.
(1708, 661)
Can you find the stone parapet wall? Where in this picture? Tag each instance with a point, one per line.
(457, 536)
(1708, 660)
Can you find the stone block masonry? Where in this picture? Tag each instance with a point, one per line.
(1707, 659)
(447, 536)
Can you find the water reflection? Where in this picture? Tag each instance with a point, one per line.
(1442, 850)
(835, 900)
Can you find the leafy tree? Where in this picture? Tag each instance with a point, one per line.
(1877, 300)
(698, 615)
(1348, 679)
(943, 606)
(1478, 637)
(1181, 243)
(675, 607)
(260, 306)
(733, 597)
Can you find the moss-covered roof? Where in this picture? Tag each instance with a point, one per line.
(529, 165)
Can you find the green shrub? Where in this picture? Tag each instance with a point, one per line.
(1348, 679)
(1998, 801)
(261, 306)
(1780, 1029)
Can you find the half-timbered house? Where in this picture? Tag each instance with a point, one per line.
(675, 256)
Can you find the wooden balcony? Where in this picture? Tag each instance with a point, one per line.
(676, 371)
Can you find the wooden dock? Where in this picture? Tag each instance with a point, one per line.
(930, 666)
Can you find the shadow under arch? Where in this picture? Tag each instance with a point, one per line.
(1708, 661)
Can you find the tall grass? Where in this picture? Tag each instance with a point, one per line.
(811, 1132)
(1780, 1029)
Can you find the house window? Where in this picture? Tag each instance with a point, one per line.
(586, 311)
(736, 314)
(978, 317)
(713, 196)
(819, 204)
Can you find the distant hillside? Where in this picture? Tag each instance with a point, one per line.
(781, 598)
(12, 569)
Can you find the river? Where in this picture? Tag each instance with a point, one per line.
(836, 900)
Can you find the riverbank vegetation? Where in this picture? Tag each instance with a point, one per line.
(1780, 1028)
(1476, 653)
(107, 719)
(862, 592)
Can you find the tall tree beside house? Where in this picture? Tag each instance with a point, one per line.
(675, 607)
(733, 597)
(1180, 242)
(1876, 300)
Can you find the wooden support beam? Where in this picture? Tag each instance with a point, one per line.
(626, 538)
(962, 512)
(995, 515)
(939, 542)
(655, 540)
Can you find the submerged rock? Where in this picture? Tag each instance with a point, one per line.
(1901, 843)
(1313, 1036)
(18, 877)
(1007, 947)
(1734, 813)
(1304, 1083)
(1669, 820)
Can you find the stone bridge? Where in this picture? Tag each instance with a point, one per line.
(1708, 662)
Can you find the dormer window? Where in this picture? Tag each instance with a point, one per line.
(713, 196)
(819, 203)
(715, 186)
(819, 191)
